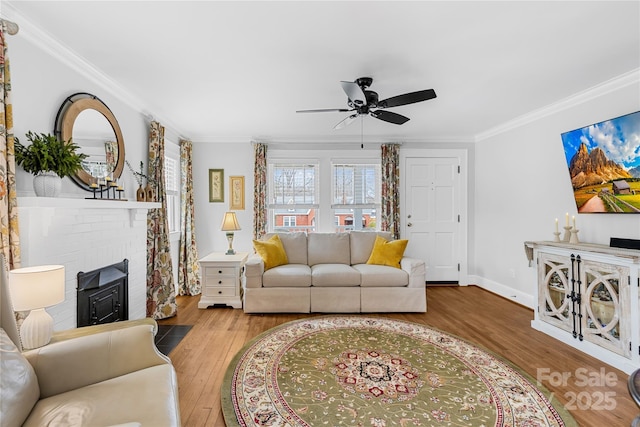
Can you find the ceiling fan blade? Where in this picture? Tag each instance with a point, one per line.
(325, 110)
(407, 98)
(354, 92)
(389, 116)
(346, 122)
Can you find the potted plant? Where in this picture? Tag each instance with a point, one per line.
(49, 160)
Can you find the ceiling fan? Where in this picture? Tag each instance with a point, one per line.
(362, 101)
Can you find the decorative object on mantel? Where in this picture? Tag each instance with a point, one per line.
(230, 224)
(143, 194)
(49, 159)
(107, 189)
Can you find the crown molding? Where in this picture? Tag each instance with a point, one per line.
(614, 84)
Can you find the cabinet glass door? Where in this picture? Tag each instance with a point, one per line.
(554, 303)
(605, 303)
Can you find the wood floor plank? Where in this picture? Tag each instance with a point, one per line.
(480, 317)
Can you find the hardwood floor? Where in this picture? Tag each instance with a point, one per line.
(595, 393)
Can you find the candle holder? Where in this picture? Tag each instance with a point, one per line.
(557, 236)
(574, 236)
(567, 233)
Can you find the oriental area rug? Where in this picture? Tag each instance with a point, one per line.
(378, 372)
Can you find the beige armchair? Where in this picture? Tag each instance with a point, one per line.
(102, 375)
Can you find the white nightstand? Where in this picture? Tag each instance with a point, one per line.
(221, 276)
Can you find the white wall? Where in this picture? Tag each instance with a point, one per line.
(236, 159)
(522, 185)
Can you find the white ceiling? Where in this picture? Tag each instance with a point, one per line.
(238, 71)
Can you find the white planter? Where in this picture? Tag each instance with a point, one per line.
(47, 184)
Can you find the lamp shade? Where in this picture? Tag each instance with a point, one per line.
(36, 287)
(230, 222)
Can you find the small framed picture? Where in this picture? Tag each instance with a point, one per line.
(236, 186)
(216, 185)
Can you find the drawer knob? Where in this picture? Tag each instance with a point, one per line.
(219, 292)
(219, 282)
(219, 271)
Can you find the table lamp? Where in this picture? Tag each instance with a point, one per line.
(34, 288)
(230, 224)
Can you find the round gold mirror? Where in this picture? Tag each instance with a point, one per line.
(89, 123)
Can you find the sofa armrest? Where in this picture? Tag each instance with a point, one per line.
(79, 362)
(253, 271)
(416, 270)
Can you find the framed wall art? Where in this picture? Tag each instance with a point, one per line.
(236, 186)
(216, 185)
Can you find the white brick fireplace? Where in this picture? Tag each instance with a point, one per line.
(84, 235)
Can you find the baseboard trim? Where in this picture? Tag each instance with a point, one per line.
(504, 291)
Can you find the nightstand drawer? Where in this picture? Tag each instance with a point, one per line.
(219, 271)
(221, 281)
(219, 292)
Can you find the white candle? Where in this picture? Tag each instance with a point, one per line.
(574, 222)
(567, 218)
(556, 225)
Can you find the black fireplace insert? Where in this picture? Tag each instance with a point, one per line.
(103, 295)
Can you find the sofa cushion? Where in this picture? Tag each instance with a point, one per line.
(334, 275)
(295, 245)
(387, 252)
(372, 276)
(328, 248)
(145, 396)
(19, 389)
(271, 251)
(288, 275)
(362, 244)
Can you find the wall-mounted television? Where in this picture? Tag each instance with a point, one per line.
(603, 160)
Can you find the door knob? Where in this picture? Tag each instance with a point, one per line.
(409, 225)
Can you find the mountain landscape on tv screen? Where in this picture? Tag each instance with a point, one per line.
(604, 165)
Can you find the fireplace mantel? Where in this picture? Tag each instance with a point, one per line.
(77, 203)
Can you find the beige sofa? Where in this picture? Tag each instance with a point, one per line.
(103, 375)
(328, 273)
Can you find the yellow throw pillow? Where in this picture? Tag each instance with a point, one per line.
(271, 251)
(387, 252)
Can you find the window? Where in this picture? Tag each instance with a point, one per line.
(322, 193)
(355, 195)
(293, 188)
(172, 186)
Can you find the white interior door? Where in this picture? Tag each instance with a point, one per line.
(431, 215)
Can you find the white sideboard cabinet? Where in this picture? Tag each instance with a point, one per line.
(587, 296)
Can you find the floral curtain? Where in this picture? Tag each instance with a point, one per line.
(9, 232)
(161, 296)
(259, 190)
(390, 198)
(188, 265)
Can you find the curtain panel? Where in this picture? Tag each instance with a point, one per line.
(259, 190)
(161, 299)
(9, 231)
(390, 197)
(189, 280)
